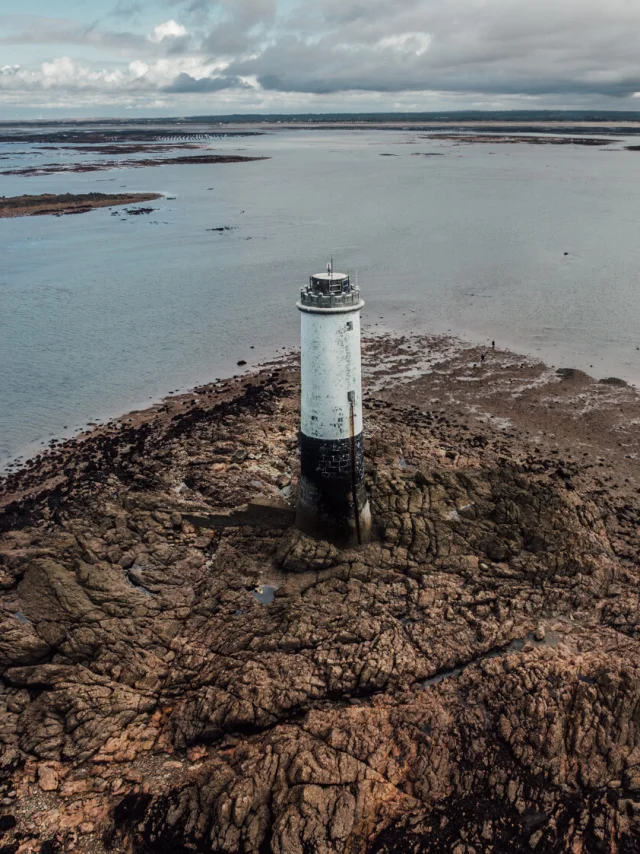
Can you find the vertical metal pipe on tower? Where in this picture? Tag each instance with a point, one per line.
(332, 499)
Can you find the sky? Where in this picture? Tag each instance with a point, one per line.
(67, 58)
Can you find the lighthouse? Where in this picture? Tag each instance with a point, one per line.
(332, 499)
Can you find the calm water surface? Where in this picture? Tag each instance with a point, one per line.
(100, 313)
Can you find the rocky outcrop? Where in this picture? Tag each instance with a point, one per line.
(467, 682)
(523, 752)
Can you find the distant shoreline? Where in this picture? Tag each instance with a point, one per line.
(457, 117)
(201, 129)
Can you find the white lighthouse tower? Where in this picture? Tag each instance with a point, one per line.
(332, 501)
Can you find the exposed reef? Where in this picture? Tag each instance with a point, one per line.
(86, 133)
(180, 670)
(70, 203)
(103, 165)
(123, 148)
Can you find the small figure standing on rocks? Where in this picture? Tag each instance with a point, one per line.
(483, 357)
(493, 345)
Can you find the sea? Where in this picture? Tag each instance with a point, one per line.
(533, 246)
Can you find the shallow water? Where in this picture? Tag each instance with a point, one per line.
(265, 593)
(100, 313)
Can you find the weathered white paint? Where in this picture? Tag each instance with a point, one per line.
(330, 369)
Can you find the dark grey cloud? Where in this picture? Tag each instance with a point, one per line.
(229, 27)
(332, 14)
(186, 83)
(492, 47)
(177, 45)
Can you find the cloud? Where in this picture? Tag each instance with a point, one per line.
(168, 30)
(67, 76)
(419, 52)
(186, 83)
(61, 73)
(458, 46)
(417, 43)
(241, 26)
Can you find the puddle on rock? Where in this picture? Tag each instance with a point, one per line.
(265, 593)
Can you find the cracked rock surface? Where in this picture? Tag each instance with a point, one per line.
(468, 682)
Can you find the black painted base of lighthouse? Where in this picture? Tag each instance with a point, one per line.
(332, 499)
